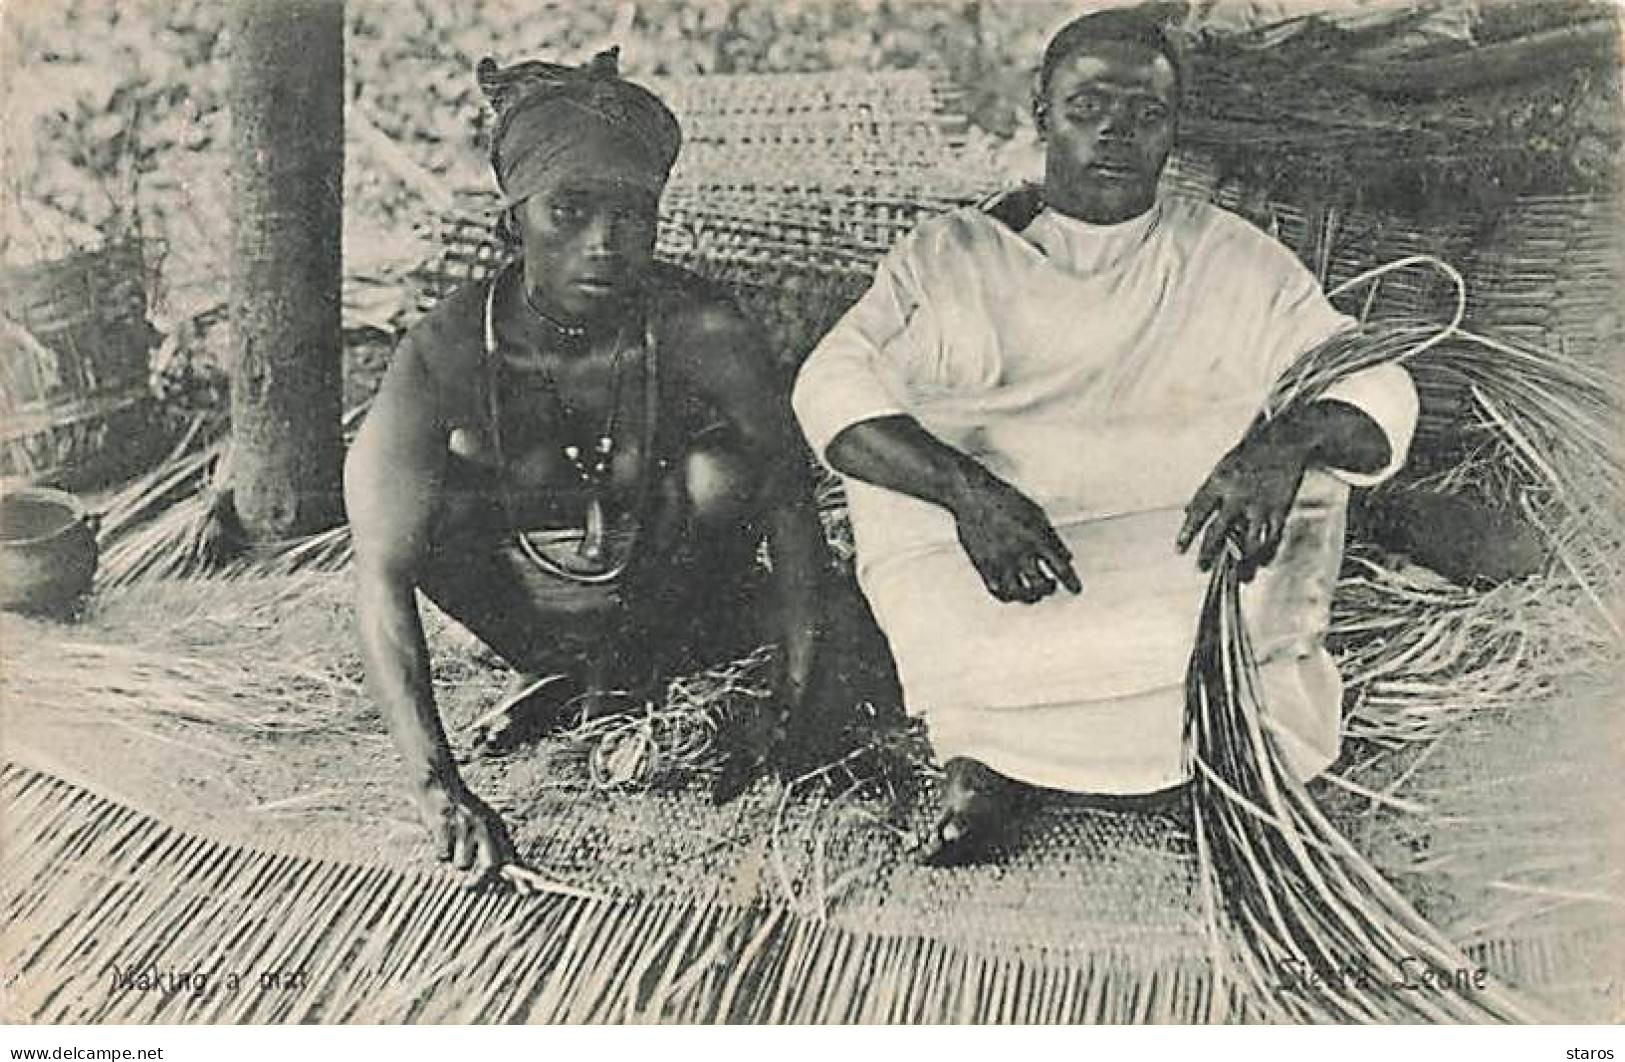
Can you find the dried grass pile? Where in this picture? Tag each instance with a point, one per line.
(1520, 842)
(1420, 654)
(212, 655)
(648, 745)
(177, 521)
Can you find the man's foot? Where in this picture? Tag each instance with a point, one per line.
(976, 805)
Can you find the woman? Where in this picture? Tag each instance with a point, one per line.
(573, 459)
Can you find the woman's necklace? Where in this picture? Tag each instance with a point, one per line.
(599, 467)
(591, 458)
(593, 462)
(567, 335)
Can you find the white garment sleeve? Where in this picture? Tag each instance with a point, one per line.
(1387, 395)
(1303, 318)
(848, 378)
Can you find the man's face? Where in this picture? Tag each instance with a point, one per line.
(588, 236)
(1108, 116)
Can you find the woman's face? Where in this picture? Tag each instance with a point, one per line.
(589, 233)
(1108, 115)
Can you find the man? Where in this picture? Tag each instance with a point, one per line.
(574, 459)
(1020, 405)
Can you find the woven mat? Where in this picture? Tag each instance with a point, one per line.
(1073, 880)
(1075, 876)
(112, 916)
(1093, 897)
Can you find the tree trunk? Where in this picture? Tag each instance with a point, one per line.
(287, 170)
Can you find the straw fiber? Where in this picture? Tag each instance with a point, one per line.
(114, 917)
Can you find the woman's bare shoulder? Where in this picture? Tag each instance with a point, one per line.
(433, 375)
(448, 340)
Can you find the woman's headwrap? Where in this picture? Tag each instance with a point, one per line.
(546, 113)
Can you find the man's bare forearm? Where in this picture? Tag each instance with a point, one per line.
(897, 453)
(1008, 538)
(1334, 434)
(396, 658)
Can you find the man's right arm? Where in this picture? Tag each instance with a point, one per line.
(860, 428)
(1007, 537)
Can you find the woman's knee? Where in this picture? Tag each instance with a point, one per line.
(719, 483)
(472, 590)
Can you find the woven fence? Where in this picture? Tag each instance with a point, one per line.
(806, 180)
(781, 177)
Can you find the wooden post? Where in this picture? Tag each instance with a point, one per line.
(287, 191)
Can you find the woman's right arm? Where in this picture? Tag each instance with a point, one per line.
(393, 479)
(392, 488)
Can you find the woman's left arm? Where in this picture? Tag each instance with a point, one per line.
(725, 358)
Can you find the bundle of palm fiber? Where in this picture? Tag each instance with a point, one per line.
(1302, 904)
(176, 520)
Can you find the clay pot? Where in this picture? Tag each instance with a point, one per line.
(47, 552)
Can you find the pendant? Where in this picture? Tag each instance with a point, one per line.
(592, 539)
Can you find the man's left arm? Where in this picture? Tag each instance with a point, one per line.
(1359, 429)
(1248, 495)
(726, 359)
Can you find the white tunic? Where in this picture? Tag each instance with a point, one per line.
(1102, 370)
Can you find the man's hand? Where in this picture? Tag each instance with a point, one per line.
(1009, 540)
(1247, 496)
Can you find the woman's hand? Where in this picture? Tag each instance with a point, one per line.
(1009, 539)
(1247, 496)
(463, 829)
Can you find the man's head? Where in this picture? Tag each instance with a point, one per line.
(581, 157)
(1107, 104)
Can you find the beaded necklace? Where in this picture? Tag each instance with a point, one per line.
(569, 335)
(592, 456)
(593, 464)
